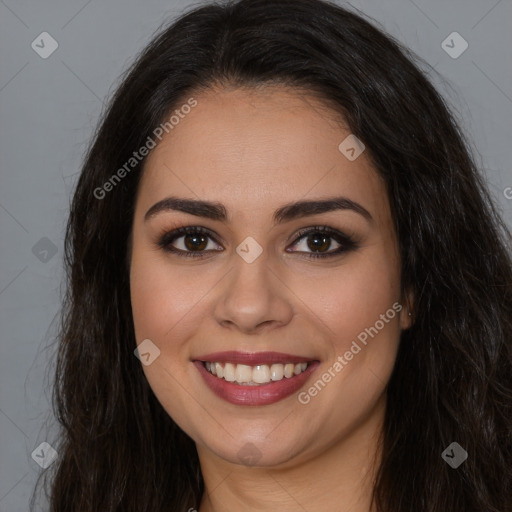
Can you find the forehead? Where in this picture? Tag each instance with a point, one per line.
(258, 148)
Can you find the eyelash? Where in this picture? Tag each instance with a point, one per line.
(347, 243)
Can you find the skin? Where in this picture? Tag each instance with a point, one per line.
(254, 151)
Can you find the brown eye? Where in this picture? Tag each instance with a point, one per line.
(187, 241)
(320, 239)
(318, 242)
(195, 242)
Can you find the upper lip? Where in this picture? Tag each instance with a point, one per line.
(252, 358)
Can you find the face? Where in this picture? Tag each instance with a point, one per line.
(287, 284)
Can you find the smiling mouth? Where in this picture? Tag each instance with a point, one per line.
(256, 375)
(254, 379)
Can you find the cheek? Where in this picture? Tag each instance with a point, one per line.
(164, 315)
(359, 312)
(358, 306)
(352, 296)
(162, 296)
(151, 315)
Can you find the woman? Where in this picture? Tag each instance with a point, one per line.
(280, 219)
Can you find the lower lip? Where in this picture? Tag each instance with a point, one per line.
(262, 394)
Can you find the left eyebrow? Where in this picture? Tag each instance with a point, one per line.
(217, 211)
(300, 209)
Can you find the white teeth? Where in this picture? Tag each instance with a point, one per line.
(288, 370)
(261, 374)
(243, 373)
(276, 372)
(229, 372)
(254, 375)
(219, 371)
(299, 368)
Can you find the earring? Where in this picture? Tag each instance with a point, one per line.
(410, 314)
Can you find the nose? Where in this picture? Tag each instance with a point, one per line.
(254, 298)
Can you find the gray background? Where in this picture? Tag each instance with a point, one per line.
(49, 108)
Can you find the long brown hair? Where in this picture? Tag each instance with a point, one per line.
(452, 381)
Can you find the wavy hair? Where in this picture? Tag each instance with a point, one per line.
(452, 380)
